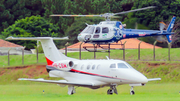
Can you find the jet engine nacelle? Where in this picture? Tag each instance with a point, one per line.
(64, 65)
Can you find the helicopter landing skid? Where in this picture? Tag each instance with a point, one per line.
(104, 48)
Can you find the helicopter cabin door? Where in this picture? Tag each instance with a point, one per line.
(97, 32)
(105, 31)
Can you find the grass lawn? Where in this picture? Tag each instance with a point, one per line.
(165, 90)
(34, 92)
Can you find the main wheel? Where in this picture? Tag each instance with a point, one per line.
(110, 91)
(132, 92)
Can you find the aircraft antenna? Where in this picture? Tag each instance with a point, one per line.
(107, 57)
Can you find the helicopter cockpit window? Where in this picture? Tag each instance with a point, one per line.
(105, 30)
(89, 30)
(97, 30)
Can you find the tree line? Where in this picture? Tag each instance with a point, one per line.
(32, 17)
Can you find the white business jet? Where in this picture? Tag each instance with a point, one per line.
(93, 74)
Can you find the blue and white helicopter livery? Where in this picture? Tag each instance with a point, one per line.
(107, 32)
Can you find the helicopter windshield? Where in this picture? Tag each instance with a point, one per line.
(89, 29)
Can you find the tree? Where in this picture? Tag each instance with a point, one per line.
(164, 11)
(12, 10)
(34, 26)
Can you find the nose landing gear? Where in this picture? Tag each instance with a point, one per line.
(132, 91)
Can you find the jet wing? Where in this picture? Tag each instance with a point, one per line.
(154, 79)
(61, 82)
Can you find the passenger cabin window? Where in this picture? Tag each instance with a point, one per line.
(90, 30)
(113, 65)
(105, 30)
(88, 67)
(98, 66)
(93, 67)
(97, 31)
(82, 66)
(122, 65)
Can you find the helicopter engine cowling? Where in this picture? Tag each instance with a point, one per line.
(64, 65)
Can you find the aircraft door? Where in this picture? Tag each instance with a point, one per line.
(105, 31)
(97, 32)
(113, 70)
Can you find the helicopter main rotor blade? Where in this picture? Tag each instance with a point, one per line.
(76, 15)
(134, 10)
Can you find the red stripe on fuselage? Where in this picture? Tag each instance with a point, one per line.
(49, 62)
(73, 70)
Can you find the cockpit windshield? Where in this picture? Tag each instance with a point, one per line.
(129, 66)
(89, 29)
(122, 65)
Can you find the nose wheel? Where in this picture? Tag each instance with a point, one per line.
(132, 91)
(112, 90)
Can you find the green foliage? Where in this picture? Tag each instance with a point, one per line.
(34, 26)
(12, 10)
(164, 11)
(39, 48)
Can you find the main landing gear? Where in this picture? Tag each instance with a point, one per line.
(112, 90)
(71, 90)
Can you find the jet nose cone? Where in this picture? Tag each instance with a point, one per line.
(142, 79)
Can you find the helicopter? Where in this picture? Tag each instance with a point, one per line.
(107, 32)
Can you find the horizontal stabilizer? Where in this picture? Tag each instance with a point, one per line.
(154, 79)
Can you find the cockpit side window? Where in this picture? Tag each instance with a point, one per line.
(105, 30)
(90, 30)
(97, 31)
(122, 65)
(113, 65)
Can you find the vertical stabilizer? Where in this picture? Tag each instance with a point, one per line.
(169, 29)
(51, 52)
(169, 38)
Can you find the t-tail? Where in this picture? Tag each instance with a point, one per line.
(51, 52)
(169, 29)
